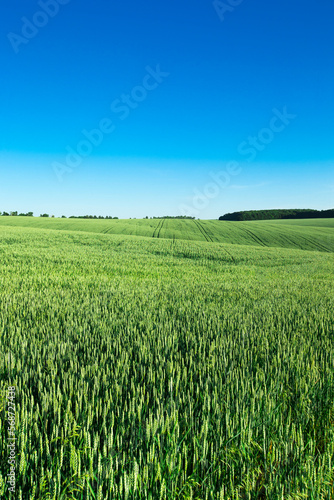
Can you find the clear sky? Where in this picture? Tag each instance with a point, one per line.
(166, 108)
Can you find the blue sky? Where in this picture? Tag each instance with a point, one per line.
(137, 108)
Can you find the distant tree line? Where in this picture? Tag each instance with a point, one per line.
(173, 217)
(13, 214)
(31, 214)
(297, 213)
(89, 217)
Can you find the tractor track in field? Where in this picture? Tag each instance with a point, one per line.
(155, 230)
(294, 244)
(203, 231)
(228, 253)
(156, 233)
(254, 237)
(162, 223)
(209, 238)
(318, 246)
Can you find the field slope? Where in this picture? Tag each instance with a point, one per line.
(313, 234)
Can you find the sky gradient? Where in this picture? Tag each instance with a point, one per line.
(136, 109)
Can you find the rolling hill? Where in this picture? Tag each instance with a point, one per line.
(304, 234)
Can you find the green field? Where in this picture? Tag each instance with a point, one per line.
(311, 234)
(168, 359)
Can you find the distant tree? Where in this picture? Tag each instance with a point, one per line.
(5, 214)
(63, 216)
(13, 214)
(44, 215)
(29, 214)
(298, 213)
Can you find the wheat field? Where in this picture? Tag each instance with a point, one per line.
(161, 368)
